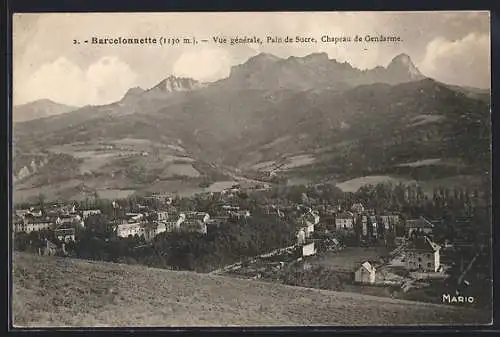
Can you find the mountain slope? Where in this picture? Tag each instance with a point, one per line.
(39, 109)
(303, 113)
(373, 125)
(49, 291)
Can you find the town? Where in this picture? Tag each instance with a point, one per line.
(384, 240)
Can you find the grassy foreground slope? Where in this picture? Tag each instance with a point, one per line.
(51, 291)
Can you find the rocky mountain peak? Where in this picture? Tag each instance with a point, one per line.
(403, 65)
(174, 83)
(134, 92)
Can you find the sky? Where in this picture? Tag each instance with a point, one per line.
(452, 47)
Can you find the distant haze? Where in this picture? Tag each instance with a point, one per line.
(452, 47)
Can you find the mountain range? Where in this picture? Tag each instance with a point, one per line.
(304, 116)
(39, 109)
(266, 71)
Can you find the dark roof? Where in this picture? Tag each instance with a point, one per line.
(419, 223)
(423, 243)
(345, 215)
(192, 225)
(150, 225)
(67, 216)
(195, 215)
(64, 231)
(65, 226)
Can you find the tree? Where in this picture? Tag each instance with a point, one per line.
(97, 225)
(41, 202)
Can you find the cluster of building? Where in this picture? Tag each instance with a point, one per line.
(150, 224)
(416, 252)
(145, 221)
(363, 221)
(421, 256)
(305, 232)
(60, 218)
(412, 237)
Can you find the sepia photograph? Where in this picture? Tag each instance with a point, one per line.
(249, 169)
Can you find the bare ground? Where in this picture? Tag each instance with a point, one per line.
(51, 291)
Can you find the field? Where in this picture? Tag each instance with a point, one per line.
(298, 161)
(63, 190)
(425, 119)
(114, 193)
(461, 180)
(348, 259)
(431, 161)
(114, 169)
(355, 184)
(221, 185)
(56, 292)
(287, 164)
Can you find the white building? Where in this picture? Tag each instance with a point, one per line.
(166, 226)
(161, 216)
(124, 230)
(420, 224)
(73, 219)
(65, 234)
(423, 254)
(365, 273)
(36, 212)
(22, 212)
(308, 250)
(33, 226)
(358, 208)
(344, 221)
(88, 212)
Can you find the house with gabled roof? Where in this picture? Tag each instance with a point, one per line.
(365, 273)
(308, 249)
(33, 224)
(421, 224)
(357, 208)
(22, 212)
(193, 222)
(65, 234)
(35, 211)
(423, 254)
(307, 222)
(125, 229)
(344, 221)
(69, 219)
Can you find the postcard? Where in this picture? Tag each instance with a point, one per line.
(251, 169)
